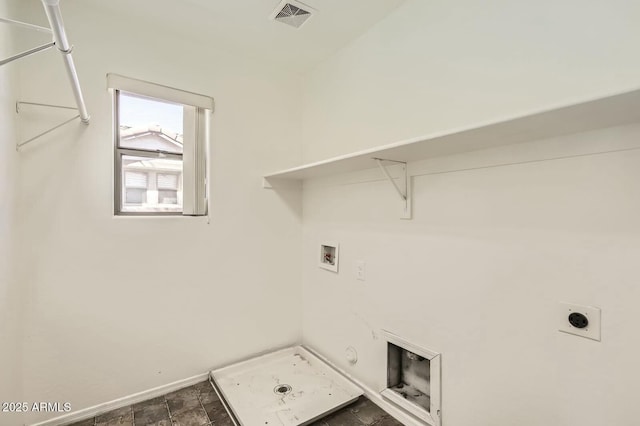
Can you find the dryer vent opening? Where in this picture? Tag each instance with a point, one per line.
(408, 374)
(413, 378)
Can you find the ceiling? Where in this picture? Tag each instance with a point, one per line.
(244, 24)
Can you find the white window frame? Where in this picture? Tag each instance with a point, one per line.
(195, 148)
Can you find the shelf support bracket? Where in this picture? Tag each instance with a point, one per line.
(18, 104)
(60, 41)
(30, 51)
(405, 191)
(27, 53)
(26, 25)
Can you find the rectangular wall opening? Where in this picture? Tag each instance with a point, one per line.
(408, 374)
(329, 256)
(413, 379)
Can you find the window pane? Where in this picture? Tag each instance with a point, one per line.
(167, 181)
(151, 185)
(135, 179)
(137, 196)
(150, 124)
(167, 196)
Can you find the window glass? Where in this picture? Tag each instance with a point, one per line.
(150, 124)
(134, 179)
(135, 196)
(151, 184)
(167, 181)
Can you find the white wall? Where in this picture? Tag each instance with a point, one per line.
(10, 294)
(477, 274)
(120, 305)
(432, 66)
(498, 238)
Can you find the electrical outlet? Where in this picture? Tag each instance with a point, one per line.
(583, 321)
(360, 270)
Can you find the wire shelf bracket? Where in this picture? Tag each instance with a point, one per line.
(26, 25)
(46, 132)
(60, 41)
(27, 53)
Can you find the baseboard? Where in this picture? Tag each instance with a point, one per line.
(96, 410)
(373, 395)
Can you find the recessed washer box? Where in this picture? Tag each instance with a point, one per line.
(289, 387)
(413, 378)
(329, 256)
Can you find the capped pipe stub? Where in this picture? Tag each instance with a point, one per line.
(351, 355)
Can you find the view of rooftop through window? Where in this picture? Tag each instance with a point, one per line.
(140, 111)
(151, 129)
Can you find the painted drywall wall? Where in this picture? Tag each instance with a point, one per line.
(10, 292)
(121, 305)
(499, 237)
(492, 249)
(432, 66)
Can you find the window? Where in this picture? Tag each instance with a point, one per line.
(135, 184)
(161, 137)
(168, 184)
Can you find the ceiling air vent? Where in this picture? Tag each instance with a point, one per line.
(292, 13)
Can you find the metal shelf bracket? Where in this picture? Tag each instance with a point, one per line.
(404, 190)
(27, 53)
(30, 51)
(26, 25)
(60, 41)
(19, 104)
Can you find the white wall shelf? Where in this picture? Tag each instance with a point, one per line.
(614, 110)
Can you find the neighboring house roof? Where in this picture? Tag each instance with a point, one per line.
(152, 138)
(155, 164)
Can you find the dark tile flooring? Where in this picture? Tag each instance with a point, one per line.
(360, 413)
(198, 405)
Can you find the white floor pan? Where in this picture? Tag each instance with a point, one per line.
(290, 387)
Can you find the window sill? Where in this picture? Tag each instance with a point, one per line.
(204, 219)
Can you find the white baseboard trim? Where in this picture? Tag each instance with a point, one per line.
(375, 397)
(96, 410)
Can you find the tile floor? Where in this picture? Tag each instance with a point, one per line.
(198, 405)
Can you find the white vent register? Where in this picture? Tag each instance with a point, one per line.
(292, 13)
